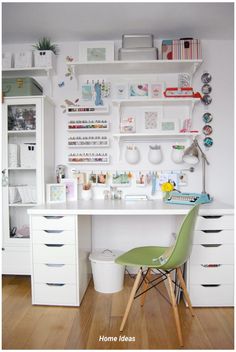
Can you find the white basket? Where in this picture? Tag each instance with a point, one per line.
(28, 155)
(6, 60)
(13, 155)
(43, 58)
(23, 59)
(14, 195)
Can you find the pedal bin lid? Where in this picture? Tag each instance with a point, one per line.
(104, 256)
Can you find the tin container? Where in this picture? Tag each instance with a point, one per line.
(131, 41)
(138, 54)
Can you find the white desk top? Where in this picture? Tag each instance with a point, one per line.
(121, 207)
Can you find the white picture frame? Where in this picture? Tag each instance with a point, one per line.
(71, 188)
(121, 91)
(56, 193)
(96, 51)
(152, 118)
(139, 90)
(169, 125)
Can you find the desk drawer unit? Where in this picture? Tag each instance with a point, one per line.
(48, 222)
(210, 268)
(55, 294)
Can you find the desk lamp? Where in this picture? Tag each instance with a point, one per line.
(191, 156)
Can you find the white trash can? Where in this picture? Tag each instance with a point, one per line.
(108, 277)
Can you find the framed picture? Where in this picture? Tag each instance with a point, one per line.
(56, 193)
(169, 125)
(71, 188)
(138, 90)
(152, 118)
(121, 91)
(96, 51)
(101, 178)
(87, 92)
(156, 90)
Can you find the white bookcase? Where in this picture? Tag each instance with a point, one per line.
(26, 121)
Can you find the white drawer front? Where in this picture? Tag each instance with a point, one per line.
(213, 236)
(222, 295)
(224, 222)
(40, 222)
(54, 273)
(61, 294)
(223, 274)
(53, 236)
(54, 254)
(223, 254)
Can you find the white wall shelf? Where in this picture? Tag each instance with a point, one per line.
(24, 132)
(161, 101)
(87, 110)
(136, 67)
(151, 136)
(21, 168)
(22, 205)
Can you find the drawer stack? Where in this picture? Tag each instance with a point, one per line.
(211, 264)
(54, 260)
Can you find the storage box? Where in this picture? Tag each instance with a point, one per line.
(132, 41)
(44, 58)
(167, 47)
(28, 155)
(138, 54)
(27, 86)
(6, 60)
(23, 59)
(13, 155)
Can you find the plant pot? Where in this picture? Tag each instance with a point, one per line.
(177, 153)
(155, 154)
(44, 58)
(86, 194)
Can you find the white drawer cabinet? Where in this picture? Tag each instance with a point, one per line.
(210, 268)
(60, 247)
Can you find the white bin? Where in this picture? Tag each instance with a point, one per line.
(108, 277)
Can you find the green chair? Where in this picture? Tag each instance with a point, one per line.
(164, 260)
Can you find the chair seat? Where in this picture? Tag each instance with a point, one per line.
(142, 256)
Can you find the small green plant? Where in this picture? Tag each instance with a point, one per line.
(45, 44)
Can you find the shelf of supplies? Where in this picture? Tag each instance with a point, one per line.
(22, 132)
(133, 67)
(22, 205)
(87, 110)
(160, 101)
(26, 71)
(152, 136)
(21, 168)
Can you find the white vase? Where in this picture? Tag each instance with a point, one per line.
(155, 154)
(177, 154)
(86, 194)
(132, 155)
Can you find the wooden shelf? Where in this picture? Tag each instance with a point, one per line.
(139, 67)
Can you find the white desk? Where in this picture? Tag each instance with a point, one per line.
(61, 241)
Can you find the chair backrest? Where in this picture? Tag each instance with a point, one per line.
(178, 254)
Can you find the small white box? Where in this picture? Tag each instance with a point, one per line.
(28, 155)
(13, 155)
(23, 59)
(27, 194)
(6, 60)
(44, 58)
(14, 195)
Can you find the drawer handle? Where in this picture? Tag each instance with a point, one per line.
(211, 245)
(210, 285)
(50, 284)
(212, 216)
(211, 265)
(53, 245)
(53, 217)
(211, 231)
(53, 231)
(54, 265)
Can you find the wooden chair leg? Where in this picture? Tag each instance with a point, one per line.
(131, 298)
(145, 286)
(175, 310)
(185, 292)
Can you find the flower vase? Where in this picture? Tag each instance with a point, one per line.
(166, 196)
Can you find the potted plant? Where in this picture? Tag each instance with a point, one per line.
(44, 53)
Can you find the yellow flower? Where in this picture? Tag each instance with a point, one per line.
(167, 187)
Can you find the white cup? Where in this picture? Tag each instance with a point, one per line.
(155, 154)
(177, 153)
(132, 155)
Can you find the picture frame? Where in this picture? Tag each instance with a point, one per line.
(56, 193)
(138, 90)
(102, 179)
(71, 188)
(121, 91)
(169, 125)
(156, 90)
(96, 51)
(152, 118)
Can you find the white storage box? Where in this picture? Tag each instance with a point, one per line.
(108, 277)
(14, 196)
(6, 60)
(13, 155)
(130, 41)
(138, 54)
(28, 155)
(43, 58)
(23, 59)
(27, 194)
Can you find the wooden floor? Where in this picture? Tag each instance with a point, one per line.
(151, 327)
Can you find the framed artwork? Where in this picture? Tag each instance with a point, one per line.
(121, 91)
(71, 188)
(169, 125)
(56, 193)
(156, 90)
(138, 90)
(92, 51)
(152, 118)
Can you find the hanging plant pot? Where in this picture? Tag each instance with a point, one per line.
(44, 58)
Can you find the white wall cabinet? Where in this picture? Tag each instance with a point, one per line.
(27, 165)
(210, 269)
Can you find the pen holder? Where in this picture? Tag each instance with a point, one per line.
(155, 154)
(132, 155)
(177, 153)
